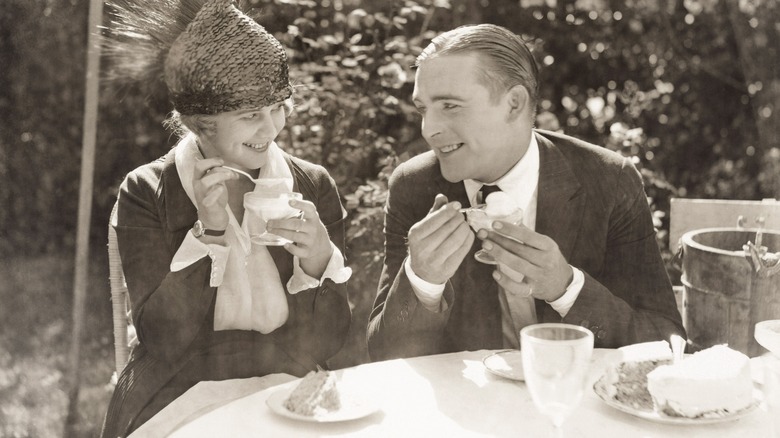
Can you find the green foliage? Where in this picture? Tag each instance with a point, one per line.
(656, 80)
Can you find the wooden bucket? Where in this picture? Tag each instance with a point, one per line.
(724, 297)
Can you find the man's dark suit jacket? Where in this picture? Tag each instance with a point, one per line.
(591, 201)
(173, 312)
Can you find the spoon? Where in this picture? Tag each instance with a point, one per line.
(273, 184)
(241, 172)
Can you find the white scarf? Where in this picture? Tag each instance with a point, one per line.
(251, 296)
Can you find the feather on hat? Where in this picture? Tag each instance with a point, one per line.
(212, 57)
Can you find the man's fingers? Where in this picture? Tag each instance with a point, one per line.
(436, 222)
(518, 262)
(511, 273)
(461, 251)
(521, 234)
(438, 202)
(454, 240)
(437, 264)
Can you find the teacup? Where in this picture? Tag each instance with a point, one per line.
(478, 218)
(264, 205)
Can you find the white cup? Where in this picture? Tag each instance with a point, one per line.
(263, 205)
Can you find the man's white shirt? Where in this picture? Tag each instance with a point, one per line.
(520, 183)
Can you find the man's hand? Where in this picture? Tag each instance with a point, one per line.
(528, 257)
(439, 242)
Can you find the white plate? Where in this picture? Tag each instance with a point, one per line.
(602, 389)
(507, 364)
(352, 408)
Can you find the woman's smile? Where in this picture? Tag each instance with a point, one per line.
(260, 147)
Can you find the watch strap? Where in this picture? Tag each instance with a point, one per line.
(199, 230)
(208, 232)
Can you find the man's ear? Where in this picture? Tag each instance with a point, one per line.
(518, 101)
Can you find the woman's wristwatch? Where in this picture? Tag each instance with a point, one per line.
(199, 230)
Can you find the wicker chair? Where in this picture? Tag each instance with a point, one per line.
(124, 331)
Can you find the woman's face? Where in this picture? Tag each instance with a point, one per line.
(242, 137)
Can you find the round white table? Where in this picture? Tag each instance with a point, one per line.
(448, 395)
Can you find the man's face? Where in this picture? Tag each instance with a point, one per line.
(473, 136)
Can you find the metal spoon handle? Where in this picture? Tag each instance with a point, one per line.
(240, 172)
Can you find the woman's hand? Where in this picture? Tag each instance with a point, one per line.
(211, 195)
(310, 240)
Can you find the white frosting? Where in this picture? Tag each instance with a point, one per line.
(500, 204)
(656, 350)
(710, 382)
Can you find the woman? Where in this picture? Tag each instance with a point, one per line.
(208, 304)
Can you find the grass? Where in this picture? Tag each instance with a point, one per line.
(35, 335)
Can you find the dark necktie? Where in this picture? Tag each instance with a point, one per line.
(517, 310)
(485, 190)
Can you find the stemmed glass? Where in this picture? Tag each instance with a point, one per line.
(556, 358)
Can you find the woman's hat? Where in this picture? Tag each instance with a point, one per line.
(212, 57)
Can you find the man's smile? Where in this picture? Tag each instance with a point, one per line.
(451, 148)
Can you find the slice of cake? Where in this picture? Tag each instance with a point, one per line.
(626, 382)
(710, 383)
(629, 383)
(316, 394)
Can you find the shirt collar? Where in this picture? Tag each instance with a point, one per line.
(519, 182)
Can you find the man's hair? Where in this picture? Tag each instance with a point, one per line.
(507, 59)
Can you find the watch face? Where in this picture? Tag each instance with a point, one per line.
(197, 229)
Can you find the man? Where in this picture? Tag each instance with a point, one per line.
(584, 254)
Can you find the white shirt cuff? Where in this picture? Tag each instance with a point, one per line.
(335, 270)
(429, 294)
(192, 250)
(563, 304)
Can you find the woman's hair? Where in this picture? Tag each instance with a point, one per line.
(507, 59)
(181, 124)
